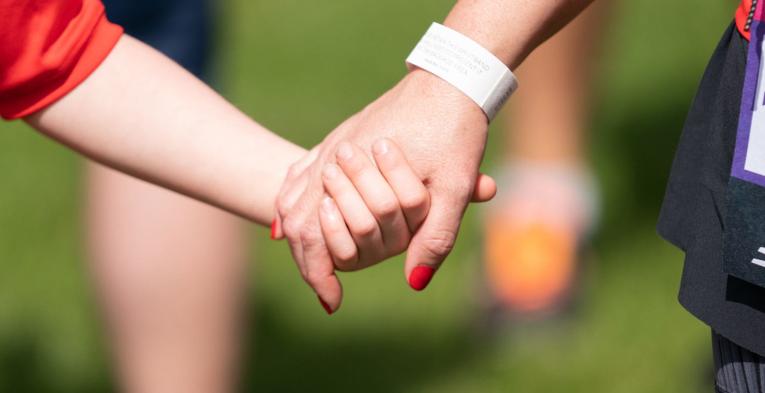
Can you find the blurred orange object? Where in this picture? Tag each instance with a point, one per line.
(534, 231)
(530, 266)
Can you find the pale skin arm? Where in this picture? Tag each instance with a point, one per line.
(142, 114)
(511, 29)
(440, 131)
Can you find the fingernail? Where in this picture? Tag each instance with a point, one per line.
(420, 277)
(326, 306)
(380, 147)
(331, 171)
(273, 229)
(344, 151)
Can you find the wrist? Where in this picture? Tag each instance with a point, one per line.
(466, 65)
(444, 95)
(511, 52)
(512, 29)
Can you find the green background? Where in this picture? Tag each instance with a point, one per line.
(300, 68)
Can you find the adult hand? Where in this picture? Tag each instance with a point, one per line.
(442, 134)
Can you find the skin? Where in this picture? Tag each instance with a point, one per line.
(548, 124)
(238, 165)
(190, 140)
(159, 260)
(440, 131)
(187, 138)
(389, 192)
(545, 135)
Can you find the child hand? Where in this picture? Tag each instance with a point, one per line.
(371, 212)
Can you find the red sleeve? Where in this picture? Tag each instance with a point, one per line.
(47, 48)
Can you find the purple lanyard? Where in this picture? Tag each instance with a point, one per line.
(749, 156)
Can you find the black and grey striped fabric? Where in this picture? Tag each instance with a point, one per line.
(737, 370)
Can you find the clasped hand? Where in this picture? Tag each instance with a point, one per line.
(395, 177)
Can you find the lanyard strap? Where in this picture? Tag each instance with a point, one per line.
(752, 13)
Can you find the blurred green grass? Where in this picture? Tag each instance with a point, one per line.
(300, 68)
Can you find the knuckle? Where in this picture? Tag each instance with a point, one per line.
(386, 209)
(313, 278)
(365, 228)
(346, 263)
(291, 227)
(346, 256)
(309, 236)
(440, 244)
(414, 200)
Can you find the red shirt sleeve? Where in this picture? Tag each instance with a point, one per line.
(47, 48)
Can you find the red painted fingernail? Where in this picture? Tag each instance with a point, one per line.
(420, 277)
(273, 229)
(326, 306)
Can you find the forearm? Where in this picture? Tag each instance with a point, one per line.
(511, 29)
(142, 114)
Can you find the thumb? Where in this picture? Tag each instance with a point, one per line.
(433, 241)
(485, 189)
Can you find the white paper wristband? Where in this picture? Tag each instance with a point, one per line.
(466, 65)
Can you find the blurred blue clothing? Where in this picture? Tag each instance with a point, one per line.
(181, 29)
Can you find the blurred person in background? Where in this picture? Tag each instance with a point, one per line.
(162, 260)
(701, 195)
(548, 202)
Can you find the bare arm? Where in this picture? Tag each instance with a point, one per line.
(441, 131)
(511, 29)
(142, 114)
